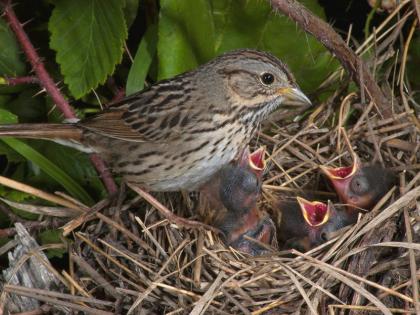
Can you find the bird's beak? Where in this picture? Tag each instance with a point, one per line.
(340, 177)
(294, 97)
(341, 173)
(315, 213)
(257, 161)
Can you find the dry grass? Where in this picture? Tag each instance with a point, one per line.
(125, 257)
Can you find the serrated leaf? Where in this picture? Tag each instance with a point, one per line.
(88, 36)
(130, 11)
(186, 36)
(142, 61)
(10, 62)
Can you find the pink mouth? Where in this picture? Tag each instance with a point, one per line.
(315, 213)
(256, 159)
(341, 172)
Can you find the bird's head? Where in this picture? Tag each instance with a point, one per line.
(257, 83)
(240, 188)
(360, 186)
(322, 220)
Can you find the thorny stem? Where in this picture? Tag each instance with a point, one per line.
(322, 31)
(48, 84)
(36, 62)
(19, 80)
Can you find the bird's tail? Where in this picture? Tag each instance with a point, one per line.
(42, 131)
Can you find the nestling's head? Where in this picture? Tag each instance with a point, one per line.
(320, 221)
(360, 186)
(240, 188)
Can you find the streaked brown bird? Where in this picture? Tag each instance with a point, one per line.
(358, 186)
(181, 131)
(306, 224)
(234, 193)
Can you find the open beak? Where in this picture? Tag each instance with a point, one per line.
(315, 213)
(340, 177)
(294, 97)
(256, 161)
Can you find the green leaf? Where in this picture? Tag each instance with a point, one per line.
(7, 117)
(52, 237)
(186, 36)
(75, 163)
(50, 168)
(10, 62)
(130, 11)
(142, 61)
(252, 24)
(88, 36)
(28, 108)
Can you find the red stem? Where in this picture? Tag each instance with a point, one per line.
(36, 62)
(46, 82)
(22, 80)
(104, 173)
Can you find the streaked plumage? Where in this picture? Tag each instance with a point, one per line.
(181, 131)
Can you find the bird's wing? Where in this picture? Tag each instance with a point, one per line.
(156, 115)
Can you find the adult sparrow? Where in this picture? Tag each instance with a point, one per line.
(179, 132)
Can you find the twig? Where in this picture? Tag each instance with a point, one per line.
(402, 75)
(334, 43)
(172, 217)
(32, 225)
(36, 62)
(48, 84)
(416, 5)
(44, 309)
(104, 173)
(19, 80)
(412, 260)
(37, 192)
(94, 274)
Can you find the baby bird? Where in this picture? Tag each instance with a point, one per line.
(358, 186)
(307, 224)
(235, 192)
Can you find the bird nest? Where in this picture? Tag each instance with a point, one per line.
(127, 257)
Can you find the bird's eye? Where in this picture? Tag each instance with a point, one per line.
(324, 236)
(359, 185)
(267, 78)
